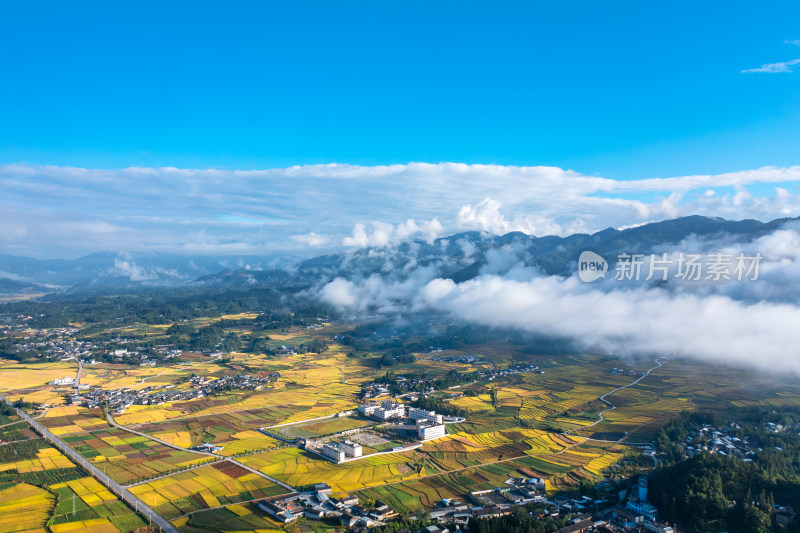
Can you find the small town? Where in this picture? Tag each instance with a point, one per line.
(583, 514)
(119, 400)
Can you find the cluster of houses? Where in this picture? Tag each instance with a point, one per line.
(401, 385)
(60, 344)
(510, 371)
(586, 514)
(623, 372)
(489, 374)
(463, 359)
(427, 424)
(118, 400)
(284, 351)
(236, 381)
(55, 344)
(320, 503)
(143, 356)
(717, 440)
(406, 386)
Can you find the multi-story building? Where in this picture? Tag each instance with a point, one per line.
(427, 432)
(350, 448)
(416, 413)
(643, 508)
(333, 452)
(368, 409)
(390, 410)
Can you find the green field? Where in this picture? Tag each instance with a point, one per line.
(326, 427)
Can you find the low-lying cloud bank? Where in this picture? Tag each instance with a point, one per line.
(753, 322)
(49, 211)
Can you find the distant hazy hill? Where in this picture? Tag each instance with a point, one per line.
(460, 257)
(119, 269)
(10, 286)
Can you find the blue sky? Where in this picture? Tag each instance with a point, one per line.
(312, 125)
(623, 90)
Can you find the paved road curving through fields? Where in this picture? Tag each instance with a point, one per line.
(611, 405)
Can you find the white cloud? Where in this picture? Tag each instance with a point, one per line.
(126, 267)
(383, 234)
(633, 321)
(748, 323)
(63, 211)
(311, 239)
(774, 68)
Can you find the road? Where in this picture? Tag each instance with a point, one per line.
(112, 485)
(78, 377)
(611, 405)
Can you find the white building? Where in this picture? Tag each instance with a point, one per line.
(643, 508)
(390, 410)
(421, 414)
(350, 448)
(431, 432)
(333, 452)
(368, 409)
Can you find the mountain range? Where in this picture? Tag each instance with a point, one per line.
(459, 257)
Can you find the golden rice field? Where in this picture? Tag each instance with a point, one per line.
(201, 488)
(235, 431)
(25, 507)
(47, 395)
(311, 403)
(72, 419)
(14, 377)
(46, 459)
(508, 433)
(86, 504)
(243, 518)
(94, 525)
(117, 376)
(90, 491)
(297, 468)
(246, 441)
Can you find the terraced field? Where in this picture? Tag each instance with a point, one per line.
(72, 419)
(85, 504)
(300, 468)
(237, 517)
(129, 458)
(40, 487)
(24, 507)
(516, 426)
(208, 486)
(235, 431)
